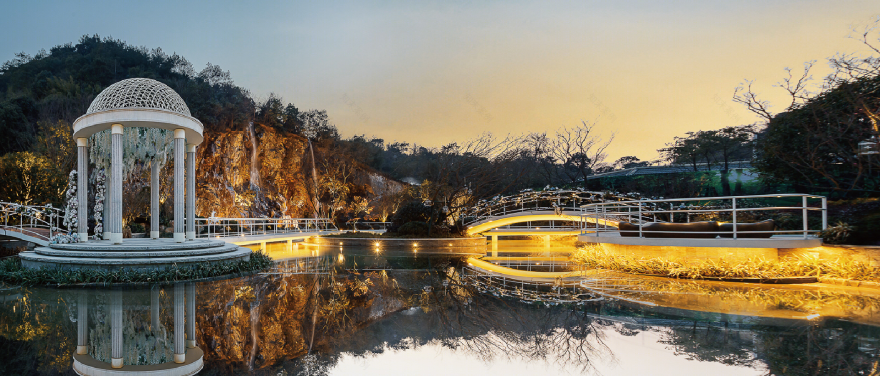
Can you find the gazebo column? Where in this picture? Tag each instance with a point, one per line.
(116, 329)
(190, 315)
(179, 320)
(190, 192)
(106, 218)
(115, 220)
(82, 323)
(82, 189)
(154, 309)
(179, 164)
(154, 199)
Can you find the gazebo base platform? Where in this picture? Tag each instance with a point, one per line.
(88, 366)
(133, 254)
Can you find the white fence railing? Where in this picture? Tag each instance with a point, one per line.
(221, 227)
(736, 210)
(41, 222)
(542, 225)
(529, 201)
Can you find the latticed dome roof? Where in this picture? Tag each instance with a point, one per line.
(139, 93)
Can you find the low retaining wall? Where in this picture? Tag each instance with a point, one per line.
(449, 244)
(867, 254)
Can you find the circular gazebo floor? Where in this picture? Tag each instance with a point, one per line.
(88, 366)
(133, 254)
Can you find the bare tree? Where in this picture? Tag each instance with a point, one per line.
(461, 174)
(579, 151)
(813, 143)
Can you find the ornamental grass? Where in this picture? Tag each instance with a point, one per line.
(592, 256)
(12, 273)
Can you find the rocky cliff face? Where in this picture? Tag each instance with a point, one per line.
(254, 172)
(260, 171)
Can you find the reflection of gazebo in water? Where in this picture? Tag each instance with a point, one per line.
(135, 348)
(141, 103)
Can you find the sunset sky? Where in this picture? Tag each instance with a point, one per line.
(436, 72)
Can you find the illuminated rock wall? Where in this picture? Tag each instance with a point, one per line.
(224, 175)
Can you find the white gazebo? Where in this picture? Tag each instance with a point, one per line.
(144, 103)
(147, 103)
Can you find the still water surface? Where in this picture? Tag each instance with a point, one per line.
(358, 311)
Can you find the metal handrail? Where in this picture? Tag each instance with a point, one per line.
(521, 202)
(224, 227)
(641, 212)
(565, 200)
(24, 217)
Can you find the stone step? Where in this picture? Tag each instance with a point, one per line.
(154, 253)
(129, 245)
(31, 259)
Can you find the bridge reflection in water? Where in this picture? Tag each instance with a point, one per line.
(291, 323)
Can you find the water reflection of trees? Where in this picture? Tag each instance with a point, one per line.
(287, 323)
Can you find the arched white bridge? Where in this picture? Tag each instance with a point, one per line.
(552, 205)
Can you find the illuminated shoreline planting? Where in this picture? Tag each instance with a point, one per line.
(592, 256)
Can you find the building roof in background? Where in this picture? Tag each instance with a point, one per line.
(669, 169)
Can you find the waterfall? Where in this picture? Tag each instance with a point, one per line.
(255, 172)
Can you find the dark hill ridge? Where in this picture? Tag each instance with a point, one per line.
(252, 162)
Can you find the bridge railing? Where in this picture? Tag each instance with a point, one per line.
(38, 221)
(223, 227)
(736, 210)
(548, 225)
(530, 201)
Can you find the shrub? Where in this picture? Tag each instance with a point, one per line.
(414, 228)
(837, 234)
(137, 228)
(13, 273)
(413, 211)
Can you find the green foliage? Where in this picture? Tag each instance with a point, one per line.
(413, 211)
(414, 228)
(813, 146)
(137, 228)
(12, 272)
(703, 149)
(682, 184)
(30, 179)
(60, 85)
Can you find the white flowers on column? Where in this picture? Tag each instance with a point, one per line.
(70, 213)
(100, 179)
(138, 145)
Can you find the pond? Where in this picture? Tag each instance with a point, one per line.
(358, 311)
